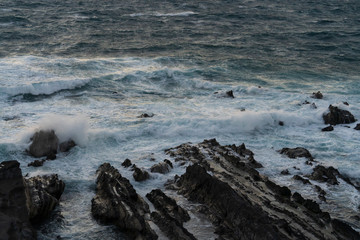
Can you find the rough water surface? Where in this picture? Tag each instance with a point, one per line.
(89, 70)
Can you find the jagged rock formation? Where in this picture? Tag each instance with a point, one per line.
(116, 202)
(127, 163)
(14, 215)
(243, 204)
(317, 95)
(45, 192)
(338, 116)
(140, 174)
(25, 200)
(170, 217)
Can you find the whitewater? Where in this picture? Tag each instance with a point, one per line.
(89, 72)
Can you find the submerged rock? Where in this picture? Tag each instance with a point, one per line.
(37, 163)
(357, 127)
(338, 116)
(328, 129)
(163, 167)
(297, 153)
(67, 145)
(317, 95)
(116, 202)
(44, 143)
(146, 115)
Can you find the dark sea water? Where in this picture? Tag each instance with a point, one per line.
(88, 68)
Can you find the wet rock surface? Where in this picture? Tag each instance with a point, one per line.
(357, 127)
(169, 216)
(243, 204)
(14, 215)
(297, 153)
(317, 95)
(44, 143)
(163, 167)
(116, 202)
(45, 192)
(328, 129)
(140, 174)
(25, 201)
(338, 116)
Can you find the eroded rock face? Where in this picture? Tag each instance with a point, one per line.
(45, 192)
(243, 204)
(237, 217)
(44, 143)
(116, 202)
(323, 174)
(338, 116)
(297, 153)
(14, 215)
(170, 217)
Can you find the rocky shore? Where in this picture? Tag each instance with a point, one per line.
(223, 182)
(239, 201)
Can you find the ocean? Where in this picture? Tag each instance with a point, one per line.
(88, 69)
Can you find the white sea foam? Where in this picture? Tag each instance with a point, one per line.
(158, 14)
(65, 127)
(44, 88)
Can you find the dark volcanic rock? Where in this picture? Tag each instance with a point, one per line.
(37, 163)
(14, 215)
(146, 115)
(67, 145)
(127, 163)
(303, 180)
(172, 228)
(345, 229)
(317, 95)
(328, 129)
(230, 94)
(163, 167)
(44, 143)
(167, 205)
(45, 192)
(323, 174)
(170, 217)
(140, 174)
(116, 202)
(240, 202)
(237, 217)
(338, 116)
(297, 153)
(357, 127)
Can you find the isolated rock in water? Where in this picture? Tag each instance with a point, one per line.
(163, 167)
(127, 163)
(323, 174)
(328, 129)
(297, 153)
(317, 95)
(45, 192)
(37, 163)
(230, 94)
(303, 180)
(146, 115)
(44, 143)
(338, 116)
(357, 127)
(14, 215)
(116, 202)
(140, 175)
(67, 145)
